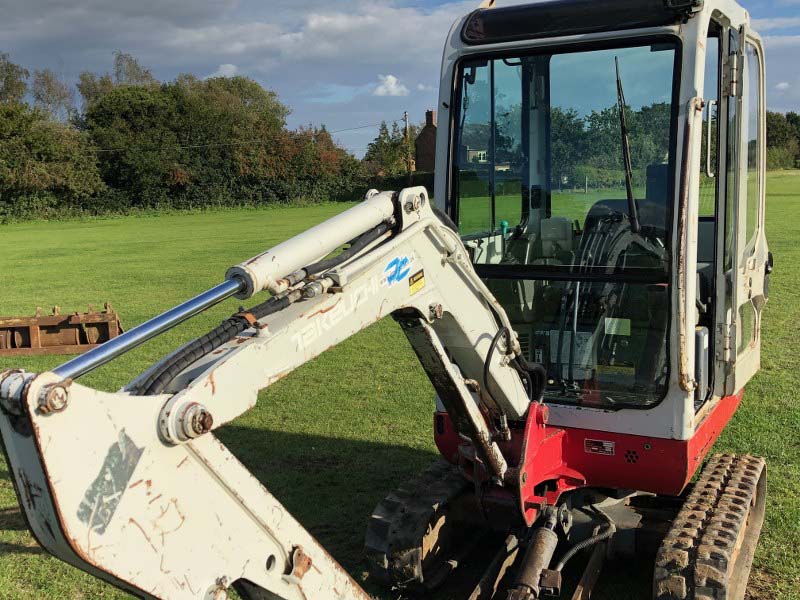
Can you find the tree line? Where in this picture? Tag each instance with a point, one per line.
(783, 140)
(126, 141)
(139, 143)
(582, 147)
(587, 148)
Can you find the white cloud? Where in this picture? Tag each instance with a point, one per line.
(321, 57)
(339, 23)
(225, 70)
(783, 79)
(390, 86)
(775, 23)
(781, 41)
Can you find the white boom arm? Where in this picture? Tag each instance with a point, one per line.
(136, 489)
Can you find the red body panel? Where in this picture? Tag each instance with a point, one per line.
(648, 464)
(567, 458)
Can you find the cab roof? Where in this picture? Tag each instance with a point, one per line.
(555, 18)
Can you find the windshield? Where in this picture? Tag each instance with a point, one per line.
(561, 182)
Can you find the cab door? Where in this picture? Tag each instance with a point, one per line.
(750, 257)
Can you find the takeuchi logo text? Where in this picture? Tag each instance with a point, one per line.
(397, 270)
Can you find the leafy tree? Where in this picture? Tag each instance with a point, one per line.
(13, 81)
(568, 142)
(605, 150)
(44, 165)
(215, 141)
(783, 140)
(794, 120)
(779, 130)
(653, 123)
(134, 127)
(185, 143)
(92, 87)
(53, 95)
(127, 71)
(388, 151)
(476, 136)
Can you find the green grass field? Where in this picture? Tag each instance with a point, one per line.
(328, 442)
(476, 211)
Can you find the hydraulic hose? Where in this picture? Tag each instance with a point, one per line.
(487, 363)
(160, 378)
(445, 219)
(534, 375)
(610, 530)
(356, 246)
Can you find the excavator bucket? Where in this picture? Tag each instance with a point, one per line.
(56, 333)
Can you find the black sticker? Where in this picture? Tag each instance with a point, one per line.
(599, 447)
(103, 496)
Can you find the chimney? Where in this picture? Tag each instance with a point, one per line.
(430, 118)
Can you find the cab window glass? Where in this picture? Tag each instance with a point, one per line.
(753, 142)
(563, 171)
(539, 161)
(709, 155)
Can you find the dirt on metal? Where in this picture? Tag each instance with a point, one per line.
(71, 333)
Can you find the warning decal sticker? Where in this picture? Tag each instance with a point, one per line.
(416, 282)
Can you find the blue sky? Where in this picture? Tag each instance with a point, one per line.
(344, 63)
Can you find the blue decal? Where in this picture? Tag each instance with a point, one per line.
(397, 270)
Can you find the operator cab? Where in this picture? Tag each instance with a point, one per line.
(567, 180)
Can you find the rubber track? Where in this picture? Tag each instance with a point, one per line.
(400, 522)
(694, 560)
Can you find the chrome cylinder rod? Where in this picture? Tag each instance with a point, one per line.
(111, 349)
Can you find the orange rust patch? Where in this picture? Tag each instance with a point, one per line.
(211, 383)
(279, 376)
(322, 311)
(147, 537)
(301, 562)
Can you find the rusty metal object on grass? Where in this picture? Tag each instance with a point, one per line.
(55, 333)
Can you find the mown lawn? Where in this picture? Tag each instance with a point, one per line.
(476, 211)
(334, 437)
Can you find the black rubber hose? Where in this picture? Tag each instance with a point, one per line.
(487, 363)
(356, 246)
(445, 219)
(158, 381)
(536, 376)
(595, 539)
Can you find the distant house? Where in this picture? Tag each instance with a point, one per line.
(481, 157)
(476, 156)
(425, 144)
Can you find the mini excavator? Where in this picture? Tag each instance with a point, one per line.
(585, 296)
